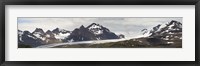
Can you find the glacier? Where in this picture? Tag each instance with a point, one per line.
(83, 42)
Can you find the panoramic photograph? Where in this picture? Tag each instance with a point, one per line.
(99, 32)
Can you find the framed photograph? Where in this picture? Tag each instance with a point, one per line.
(96, 32)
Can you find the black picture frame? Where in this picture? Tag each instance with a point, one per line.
(99, 2)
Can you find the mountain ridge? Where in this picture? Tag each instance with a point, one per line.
(82, 33)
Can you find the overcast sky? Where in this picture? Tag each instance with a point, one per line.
(129, 26)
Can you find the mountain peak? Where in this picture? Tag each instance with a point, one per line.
(170, 27)
(82, 27)
(56, 28)
(173, 22)
(94, 25)
(19, 30)
(174, 25)
(59, 30)
(48, 32)
(38, 31)
(26, 32)
(95, 28)
(38, 28)
(98, 29)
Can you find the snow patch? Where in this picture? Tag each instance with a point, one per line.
(39, 36)
(61, 35)
(32, 37)
(20, 33)
(47, 35)
(170, 42)
(171, 33)
(166, 38)
(37, 33)
(98, 32)
(94, 27)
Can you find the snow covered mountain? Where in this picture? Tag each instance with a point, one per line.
(101, 32)
(97, 29)
(167, 35)
(61, 33)
(39, 37)
(171, 28)
(80, 34)
(161, 35)
(54, 34)
(39, 33)
(170, 33)
(27, 38)
(92, 32)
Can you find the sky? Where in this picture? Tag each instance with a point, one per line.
(129, 26)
